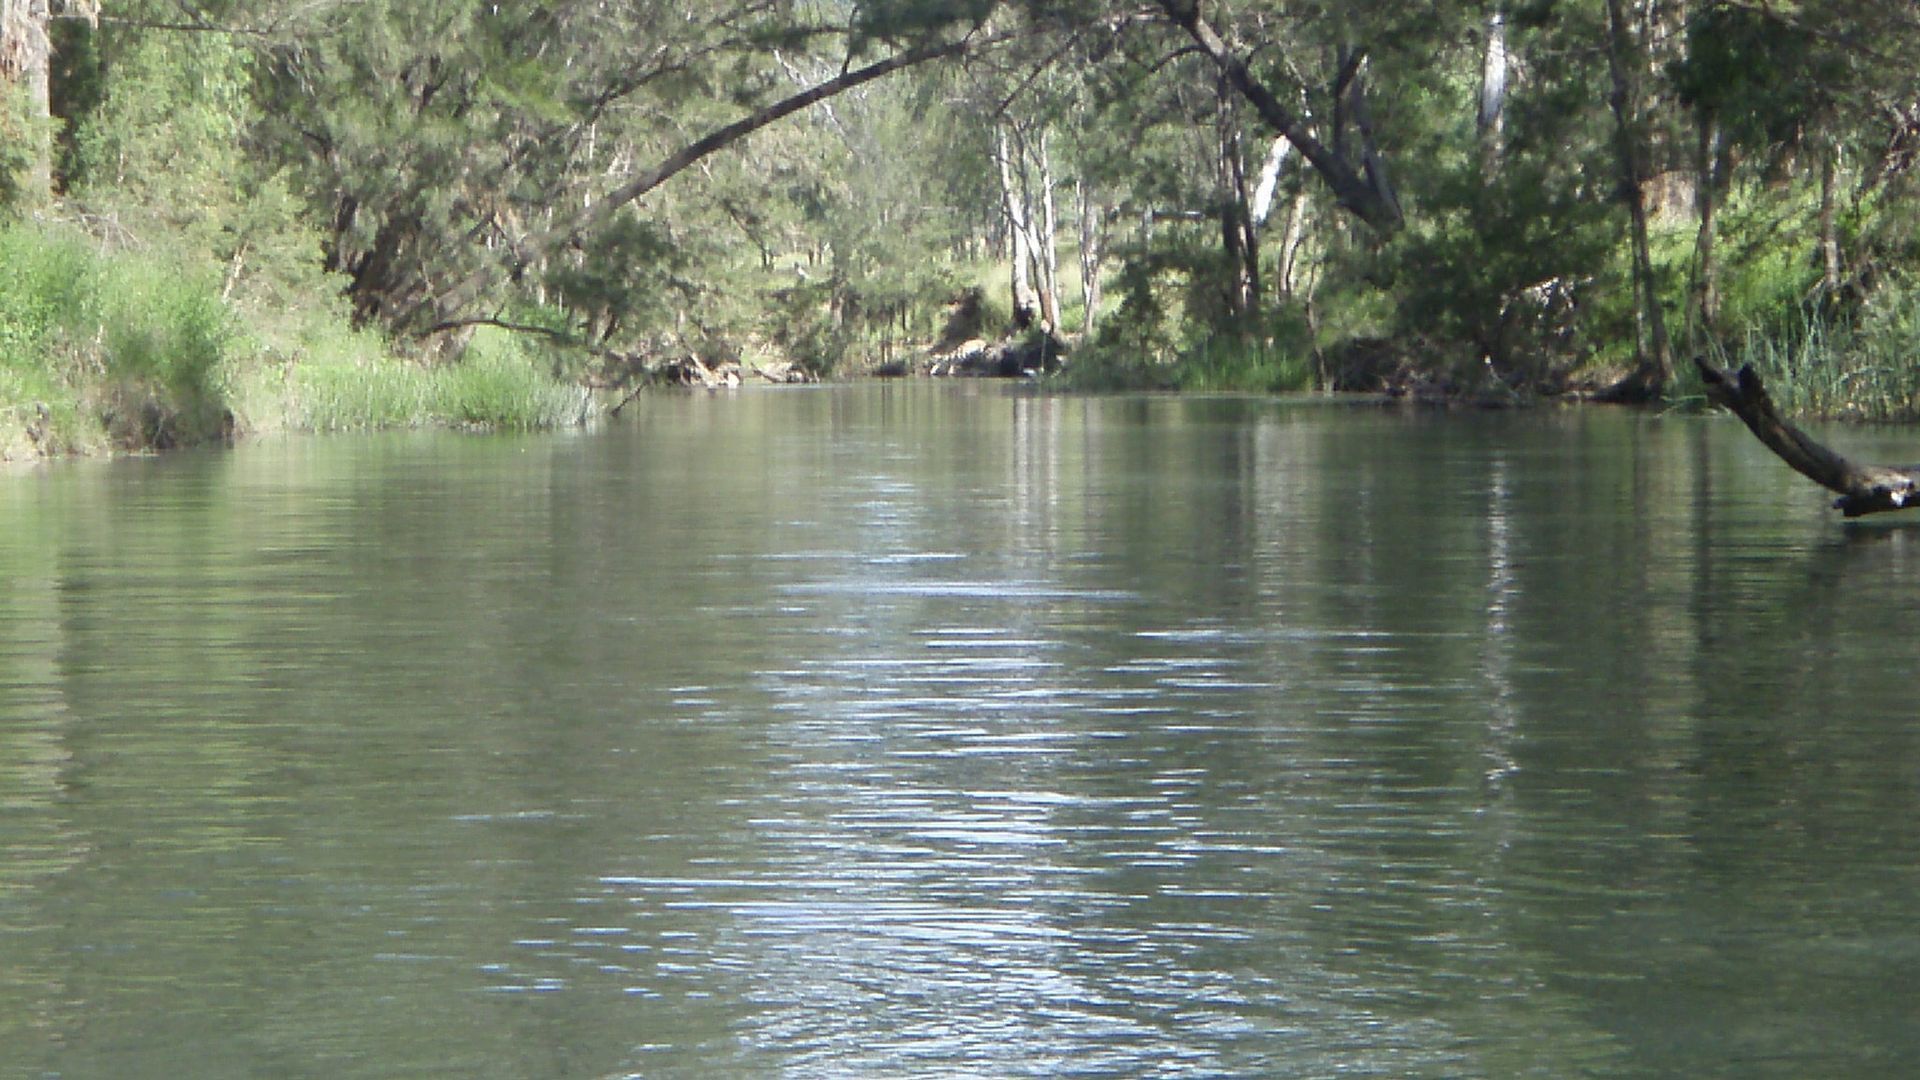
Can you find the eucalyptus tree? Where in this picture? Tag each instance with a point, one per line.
(435, 137)
(467, 154)
(26, 116)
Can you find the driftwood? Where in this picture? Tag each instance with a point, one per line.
(1863, 489)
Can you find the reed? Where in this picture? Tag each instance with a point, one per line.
(1834, 369)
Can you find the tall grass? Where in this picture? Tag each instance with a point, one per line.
(1836, 370)
(93, 349)
(500, 383)
(341, 380)
(1231, 363)
(331, 379)
(140, 351)
(1224, 363)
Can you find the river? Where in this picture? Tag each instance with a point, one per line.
(907, 730)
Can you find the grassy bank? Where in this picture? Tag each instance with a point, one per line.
(1832, 370)
(1220, 364)
(133, 351)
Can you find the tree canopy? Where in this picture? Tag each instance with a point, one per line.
(1481, 195)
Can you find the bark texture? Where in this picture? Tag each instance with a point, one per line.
(1013, 205)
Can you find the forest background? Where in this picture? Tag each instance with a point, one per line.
(319, 214)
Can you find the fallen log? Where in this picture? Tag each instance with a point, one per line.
(1863, 489)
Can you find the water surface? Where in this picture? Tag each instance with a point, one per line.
(935, 731)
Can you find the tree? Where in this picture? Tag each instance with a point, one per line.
(496, 141)
(1363, 190)
(26, 117)
(1485, 193)
(1626, 61)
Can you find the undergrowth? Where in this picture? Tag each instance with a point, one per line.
(138, 351)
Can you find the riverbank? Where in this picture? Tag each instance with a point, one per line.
(105, 351)
(125, 351)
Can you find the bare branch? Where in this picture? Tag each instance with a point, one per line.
(450, 325)
(1863, 489)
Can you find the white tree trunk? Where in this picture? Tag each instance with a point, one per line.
(1290, 244)
(25, 60)
(1045, 245)
(1092, 239)
(1013, 204)
(1493, 78)
(1269, 181)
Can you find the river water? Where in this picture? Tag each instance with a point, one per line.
(898, 730)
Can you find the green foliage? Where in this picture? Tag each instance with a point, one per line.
(340, 379)
(130, 349)
(1145, 325)
(1758, 73)
(1838, 370)
(160, 145)
(47, 286)
(498, 385)
(129, 340)
(333, 379)
(1234, 362)
(1767, 290)
(164, 337)
(1503, 267)
(629, 273)
(806, 330)
(407, 167)
(17, 138)
(1169, 332)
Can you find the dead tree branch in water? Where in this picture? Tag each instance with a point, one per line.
(1863, 489)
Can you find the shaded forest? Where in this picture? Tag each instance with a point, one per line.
(488, 206)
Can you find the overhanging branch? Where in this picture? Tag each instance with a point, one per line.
(468, 289)
(1356, 193)
(449, 325)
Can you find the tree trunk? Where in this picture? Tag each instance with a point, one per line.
(1045, 242)
(1290, 243)
(1260, 206)
(1236, 219)
(1092, 240)
(1373, 163)
(1654, 371)
(26, 54)
(1490, 118)
(1863, 489)
(1710, 166)
(1013, 205)
(1357, 194)
(1829, 231)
